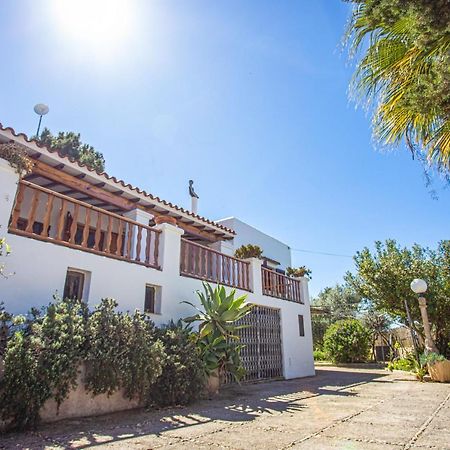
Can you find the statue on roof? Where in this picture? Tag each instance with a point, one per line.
(191, 189)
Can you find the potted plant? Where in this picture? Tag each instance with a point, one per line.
(248, 251)
(298, 272)
(438, 366)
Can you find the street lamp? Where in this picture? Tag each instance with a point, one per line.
(41, 110)
(419, 287)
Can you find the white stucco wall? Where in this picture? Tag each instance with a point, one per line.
(38, 270)
(246, 234)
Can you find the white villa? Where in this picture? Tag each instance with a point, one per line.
(80, 233)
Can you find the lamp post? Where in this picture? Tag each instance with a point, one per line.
(419, 287)
(41, 110)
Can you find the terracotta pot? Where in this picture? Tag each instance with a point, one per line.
(165, 219)
(440, 371)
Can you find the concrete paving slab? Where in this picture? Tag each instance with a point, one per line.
(340, 408)
(324, 443)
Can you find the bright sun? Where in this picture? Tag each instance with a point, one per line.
(96, 25)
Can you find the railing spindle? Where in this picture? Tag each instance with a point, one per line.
(148, 243)
(73, 228)
(138, 244)
(119, 238)
(109, 235)
(98, 232)
(48, 213)
(32, 214)
(87, 222)
(129, 239)
(61, 220)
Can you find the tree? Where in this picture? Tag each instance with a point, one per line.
(384, 276)
(69, 144)
(347, 341)
(379, 325)
(405, 72)
(332, 304)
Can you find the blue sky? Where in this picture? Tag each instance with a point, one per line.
(247, 98)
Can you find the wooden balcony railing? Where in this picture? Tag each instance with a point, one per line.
(202, 262)
(275, 284)
(42, 214)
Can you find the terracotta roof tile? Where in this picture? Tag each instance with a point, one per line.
(116, 180)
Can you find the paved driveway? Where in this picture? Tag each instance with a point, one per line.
(337, 409)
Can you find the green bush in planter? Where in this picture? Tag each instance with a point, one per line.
(347, 341)
(122, 352)
(183, 376)
(41, 359)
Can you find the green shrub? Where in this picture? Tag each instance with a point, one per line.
(347, 341)
(248, 251)
(407, 364)
(297, 272)
(17, 157)
(44, 351)
(431, 358)
(121, 352)
(183, 376)
(320, 355)
(41, 361)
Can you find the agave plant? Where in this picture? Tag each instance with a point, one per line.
(217, 338)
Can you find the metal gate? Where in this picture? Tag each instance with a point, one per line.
(262, 354)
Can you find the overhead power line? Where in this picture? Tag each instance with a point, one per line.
(320, 253)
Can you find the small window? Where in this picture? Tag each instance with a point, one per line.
(150, 294)
(74, 285)
(301, 325)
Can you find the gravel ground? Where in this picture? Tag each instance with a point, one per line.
(340, 408)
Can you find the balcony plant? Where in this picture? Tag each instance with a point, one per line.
(17, 157)
(298, 272)
(217, 338)
(248, 251)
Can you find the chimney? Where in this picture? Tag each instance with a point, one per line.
(194, 205)
(194, 197)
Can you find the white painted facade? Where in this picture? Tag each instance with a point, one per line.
(246, 234)
(36, 270)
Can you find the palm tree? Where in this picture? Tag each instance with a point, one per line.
(404, 73)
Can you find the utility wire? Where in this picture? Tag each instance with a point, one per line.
(320, 253)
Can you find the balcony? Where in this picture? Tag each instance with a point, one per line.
(277, 285)
(49, 216)
(204, 263)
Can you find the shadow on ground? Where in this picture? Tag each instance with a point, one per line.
(234, 404)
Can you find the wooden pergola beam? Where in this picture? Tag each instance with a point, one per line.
(95, 191)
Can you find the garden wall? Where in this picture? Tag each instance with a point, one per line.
(81, 403)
